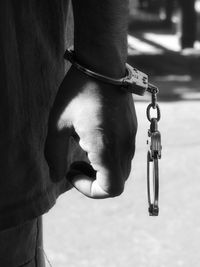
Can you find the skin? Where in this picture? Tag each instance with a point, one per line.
(100, 117)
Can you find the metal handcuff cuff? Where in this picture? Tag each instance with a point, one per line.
(136, 82)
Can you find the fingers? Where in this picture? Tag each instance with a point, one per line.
(83, 178)
(89, 187)
(102, 119)
(106, 180)
(109, 144)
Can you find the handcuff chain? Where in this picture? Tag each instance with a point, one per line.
(154, 153)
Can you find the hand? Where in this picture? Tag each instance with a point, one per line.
(102, 119)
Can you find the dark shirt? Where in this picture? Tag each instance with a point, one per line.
(32, 43)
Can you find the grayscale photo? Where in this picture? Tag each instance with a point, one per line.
(99, 133)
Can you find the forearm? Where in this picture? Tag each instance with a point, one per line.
(100, 36)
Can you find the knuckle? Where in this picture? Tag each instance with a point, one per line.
(115, 191)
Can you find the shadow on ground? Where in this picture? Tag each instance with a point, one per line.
(164, 59)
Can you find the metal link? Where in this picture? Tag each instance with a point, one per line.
(154, 100)
(157, 110)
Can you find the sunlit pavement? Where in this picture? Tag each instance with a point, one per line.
(81, 232)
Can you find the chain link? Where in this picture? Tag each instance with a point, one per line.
(154, 106)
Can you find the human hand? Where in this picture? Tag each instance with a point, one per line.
(102, 118)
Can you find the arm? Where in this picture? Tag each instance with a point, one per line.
(100, 37)
(101, 115)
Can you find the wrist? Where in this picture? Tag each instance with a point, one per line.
(109, 61)
(100, 35)
(134, 82)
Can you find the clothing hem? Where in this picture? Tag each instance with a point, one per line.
(34, 208)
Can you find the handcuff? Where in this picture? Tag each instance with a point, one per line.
(136, 82)
(154, 153)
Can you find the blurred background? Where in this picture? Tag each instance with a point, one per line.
(163, 41)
